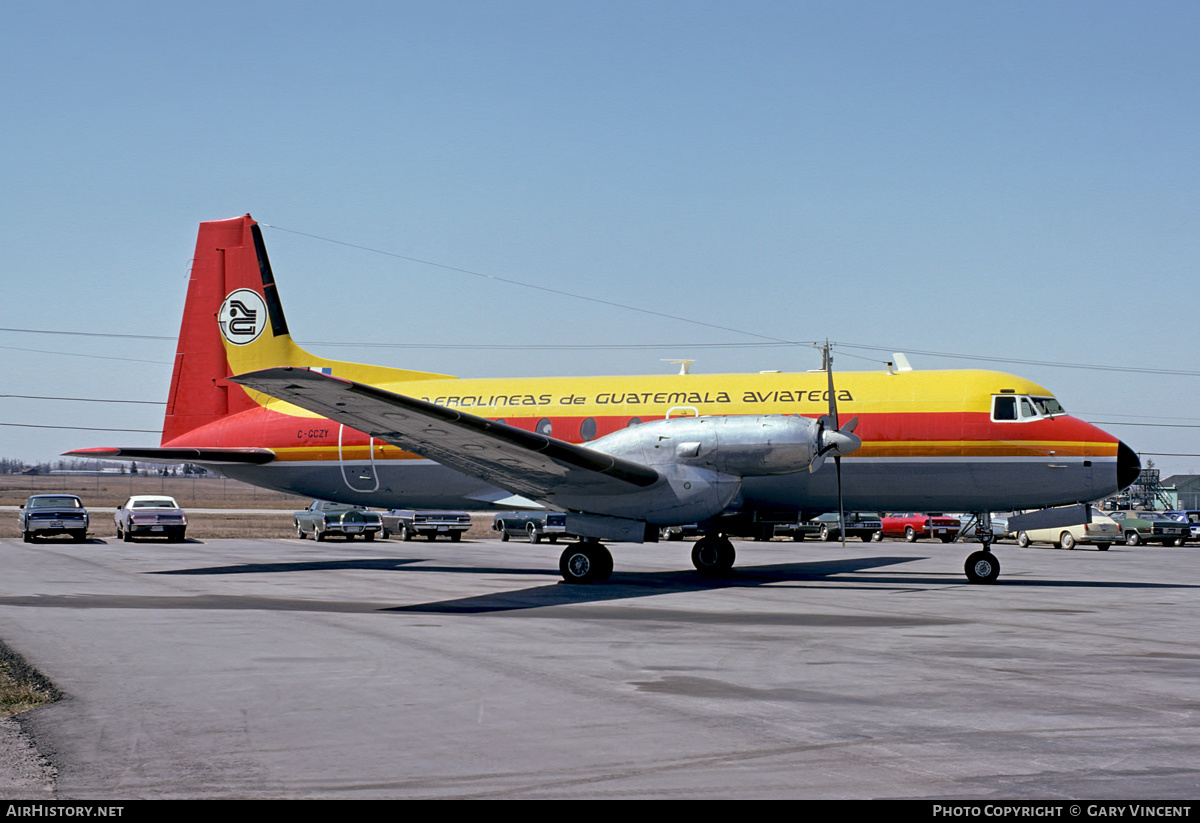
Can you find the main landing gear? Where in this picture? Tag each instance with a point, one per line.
(713, 555)
(585, 562)
(588, 561)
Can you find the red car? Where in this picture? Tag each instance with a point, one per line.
(912, 526)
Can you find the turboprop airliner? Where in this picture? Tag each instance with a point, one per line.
(622, 456)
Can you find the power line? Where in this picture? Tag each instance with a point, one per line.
(81, 428)
(533, 286)
(86, 399)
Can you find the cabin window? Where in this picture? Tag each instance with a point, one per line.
(587, 429)
(544, 426)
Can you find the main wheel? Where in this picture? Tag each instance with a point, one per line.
(585, 562)
(982, 567)
(910, 534)
(713, 556)
(1066, 540)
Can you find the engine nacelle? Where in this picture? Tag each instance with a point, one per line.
(739, 446)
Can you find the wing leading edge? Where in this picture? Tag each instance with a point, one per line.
(523, 462)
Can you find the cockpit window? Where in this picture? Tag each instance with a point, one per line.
(1013, 407)
(1048, 406)
(1004, 407)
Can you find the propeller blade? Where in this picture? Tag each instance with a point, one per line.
(832, 394)
(837, 463)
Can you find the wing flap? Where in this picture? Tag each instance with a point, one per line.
(519, 461)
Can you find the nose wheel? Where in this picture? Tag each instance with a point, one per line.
(982, 567)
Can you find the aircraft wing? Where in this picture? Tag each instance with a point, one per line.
(519, 461)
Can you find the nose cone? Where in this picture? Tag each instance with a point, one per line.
(1128, 465)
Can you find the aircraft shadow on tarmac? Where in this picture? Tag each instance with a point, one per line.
(847, 573)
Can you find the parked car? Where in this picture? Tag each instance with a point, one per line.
(680, 532)
(1143, 526)
(1102, 532)
(147, 515)
(866, 526)
(912, 526)
(323, 518)
(47, 514)
(1192, 518)
(971, 529)
(429, 524)
(535, 525)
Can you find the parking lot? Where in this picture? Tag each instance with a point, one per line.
(283, 668)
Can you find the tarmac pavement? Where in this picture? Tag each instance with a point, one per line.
(292, 669)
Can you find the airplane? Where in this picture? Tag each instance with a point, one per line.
(622, 456)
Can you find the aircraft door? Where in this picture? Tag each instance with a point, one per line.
(358, 477)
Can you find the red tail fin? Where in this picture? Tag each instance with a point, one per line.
(229, 256)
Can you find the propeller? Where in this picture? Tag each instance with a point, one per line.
(834, 439)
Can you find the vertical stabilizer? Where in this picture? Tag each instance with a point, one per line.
(233, 323)
(226, 261)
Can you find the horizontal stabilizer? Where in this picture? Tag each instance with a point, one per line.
(522, 462)
(178, 455)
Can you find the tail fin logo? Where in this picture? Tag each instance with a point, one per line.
(243, 317)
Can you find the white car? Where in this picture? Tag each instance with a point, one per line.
(150, 515)
(1102, 532)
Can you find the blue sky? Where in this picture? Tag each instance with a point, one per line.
(1010, 181)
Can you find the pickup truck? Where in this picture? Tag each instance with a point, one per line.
(323, 518)
(430, 524)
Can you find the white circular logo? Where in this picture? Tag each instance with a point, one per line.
(243, 317)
